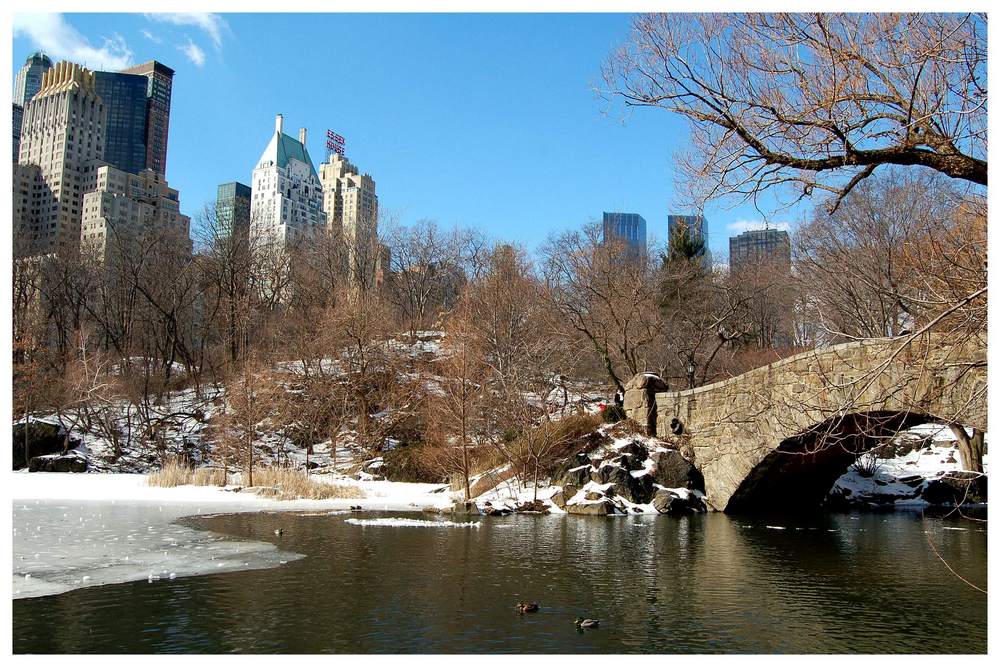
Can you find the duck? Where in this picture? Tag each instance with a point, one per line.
(279, 531)
(587, 623)
(526, 607)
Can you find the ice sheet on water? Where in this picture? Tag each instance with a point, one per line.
(63, 545)
(395, 522)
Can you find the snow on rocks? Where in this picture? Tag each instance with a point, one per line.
(929, 473)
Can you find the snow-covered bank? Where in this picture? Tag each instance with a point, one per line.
(89, 529)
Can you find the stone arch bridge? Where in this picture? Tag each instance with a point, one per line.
(783, 433)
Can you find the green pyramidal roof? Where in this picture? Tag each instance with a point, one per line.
(284, 148)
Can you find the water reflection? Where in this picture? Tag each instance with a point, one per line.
(709, 583)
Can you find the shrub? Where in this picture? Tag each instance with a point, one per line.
(611, 414)
(176, 473)
(289, 484)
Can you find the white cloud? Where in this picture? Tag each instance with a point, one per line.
(213, 24)
(193, 52)
(741, 226)
(151, 37)
(61, 41)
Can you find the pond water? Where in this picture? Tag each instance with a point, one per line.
(867, 583)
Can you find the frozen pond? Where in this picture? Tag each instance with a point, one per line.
(63, 545)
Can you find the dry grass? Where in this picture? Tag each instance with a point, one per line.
(288, 484)
(174, 473)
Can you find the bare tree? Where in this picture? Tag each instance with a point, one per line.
(798, 103)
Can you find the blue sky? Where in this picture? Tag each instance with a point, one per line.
(488, 121)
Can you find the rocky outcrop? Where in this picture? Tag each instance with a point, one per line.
(58, 463)
(598, 508)
(669, 502)
(955, 488)
(42, 439)
(674, 471)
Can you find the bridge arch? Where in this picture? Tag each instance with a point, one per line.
(784, 429)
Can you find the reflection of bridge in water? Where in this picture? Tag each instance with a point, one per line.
(786, 431)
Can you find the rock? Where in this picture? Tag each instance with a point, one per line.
(559, 499)
(577, 476)
(636, 450)
(601, 508)
(668, 502)
(534, 506)
(69, 463)
(955, 487)
(593, 495)
(489, 510)
(44, 438)
(674, 471)
(465, 507)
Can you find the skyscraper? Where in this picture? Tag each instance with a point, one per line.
(627, 227)
(758, 245)
(351, 207)
(232, 208)
(286, 202)
(124, 97)
(63, 134)
(695, 225)
(159, 82)
(16, 124)
(29, 77)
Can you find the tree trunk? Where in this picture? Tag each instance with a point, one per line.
(969, 448)
(534, 498)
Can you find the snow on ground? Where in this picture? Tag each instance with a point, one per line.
(902, 475)
(89, 529)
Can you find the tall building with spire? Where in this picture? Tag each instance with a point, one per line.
(286, 200)
(159, 84)
(62, 138)
(29, 77)
(351, 207)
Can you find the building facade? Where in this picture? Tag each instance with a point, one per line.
(286, 201)
(18, 119)
(232, 208)
(63, 135)
(627, 227)
(695, 225)
(351, 207)
(29, 78)
(124, 97)
(159, 86)
(758, 245)
(122, 208)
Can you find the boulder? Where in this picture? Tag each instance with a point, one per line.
(535, 506)
(629, 462)
(68, 463)
(668, 502)
(593, 495)
(43, 438)
(601, 508)
(674, 471)
(954, 488)
(559, 499)
(576, 476)
(635, 449)
(465, 507)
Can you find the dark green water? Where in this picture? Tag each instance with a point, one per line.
(864, 583)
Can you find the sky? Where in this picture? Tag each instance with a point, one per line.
(488, 121)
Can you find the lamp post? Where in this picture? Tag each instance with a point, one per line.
(690, 370)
